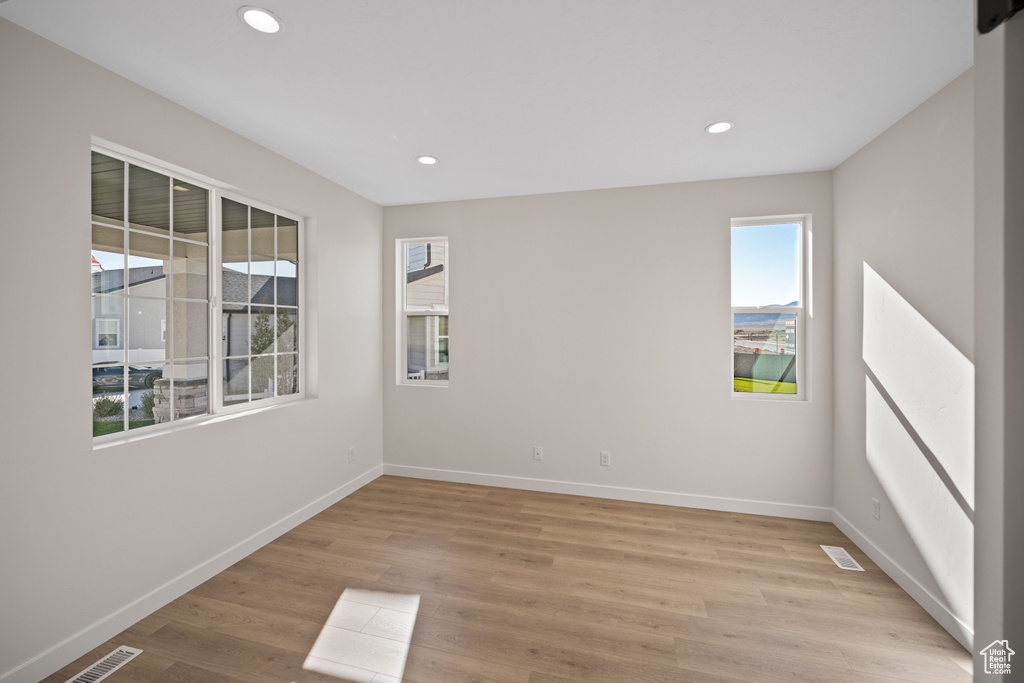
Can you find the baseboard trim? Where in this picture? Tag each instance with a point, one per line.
(752, 507)
(92, 636)
(924, 597)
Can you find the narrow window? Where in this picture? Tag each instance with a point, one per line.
(768, 294)
(424, 266)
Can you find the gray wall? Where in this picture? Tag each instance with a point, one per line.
(172, 509)
(999, 327)
(904, 352)
(574, 319)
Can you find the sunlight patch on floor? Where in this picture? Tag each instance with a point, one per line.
(366, 638)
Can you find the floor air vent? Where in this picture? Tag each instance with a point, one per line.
(106, 666)
(842, 558)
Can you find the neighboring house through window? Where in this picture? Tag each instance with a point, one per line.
(768, 306)
(423, 267)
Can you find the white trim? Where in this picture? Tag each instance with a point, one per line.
(963, 632)
(689, 500)
(60, 655)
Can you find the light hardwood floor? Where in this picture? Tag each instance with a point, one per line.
(470, 583)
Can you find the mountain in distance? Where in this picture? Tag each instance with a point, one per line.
(760, 321)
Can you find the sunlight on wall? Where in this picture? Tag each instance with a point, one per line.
(927, 377)
(919, 394)
(366, 638)
(941, 530)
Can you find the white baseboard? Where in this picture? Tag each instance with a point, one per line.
(59, 655)
(931, 604)
(77, 645)
(752, 507)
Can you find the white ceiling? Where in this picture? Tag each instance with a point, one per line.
(531, 96)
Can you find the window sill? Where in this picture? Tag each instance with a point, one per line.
(424, 383)
(784, 398)
(143, 433)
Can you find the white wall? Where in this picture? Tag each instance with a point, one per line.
(85, 533)
(600, 321)
(999, 327)
(904, 351)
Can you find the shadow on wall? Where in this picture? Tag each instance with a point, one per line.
(919, 407)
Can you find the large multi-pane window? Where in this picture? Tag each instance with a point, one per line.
(154, 235)
(424, 265)
(768, 294)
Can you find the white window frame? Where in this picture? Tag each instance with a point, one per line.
(402, 312)
(217, 191)
(217, 330)
(802, 312)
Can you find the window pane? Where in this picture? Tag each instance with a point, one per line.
(262, 329)
(262, 377)
(236, 381)
(107, 259)
(426, 349)
(149, 199)
(107, 378)
(235, 251)
(287, 330)
(287, 261)
(425, 287)
(191, 334)
(142, 389)
(764, 353)
(262, 284)
(765, 265)
(442, 339)
(190, 270)
(146, 323)
(236, 330)
(287, 374)
(147, 255)
(189, 391)
(191, 211)
(261, 266)
(107, 329)
(108, 188)
(107, 399)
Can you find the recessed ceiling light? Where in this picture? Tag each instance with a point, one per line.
(427, 160)
(260, 19)
(719, 127)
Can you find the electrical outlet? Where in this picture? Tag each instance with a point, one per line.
(606, 459)
(876, 508)
(538, 453)
(351, 453)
